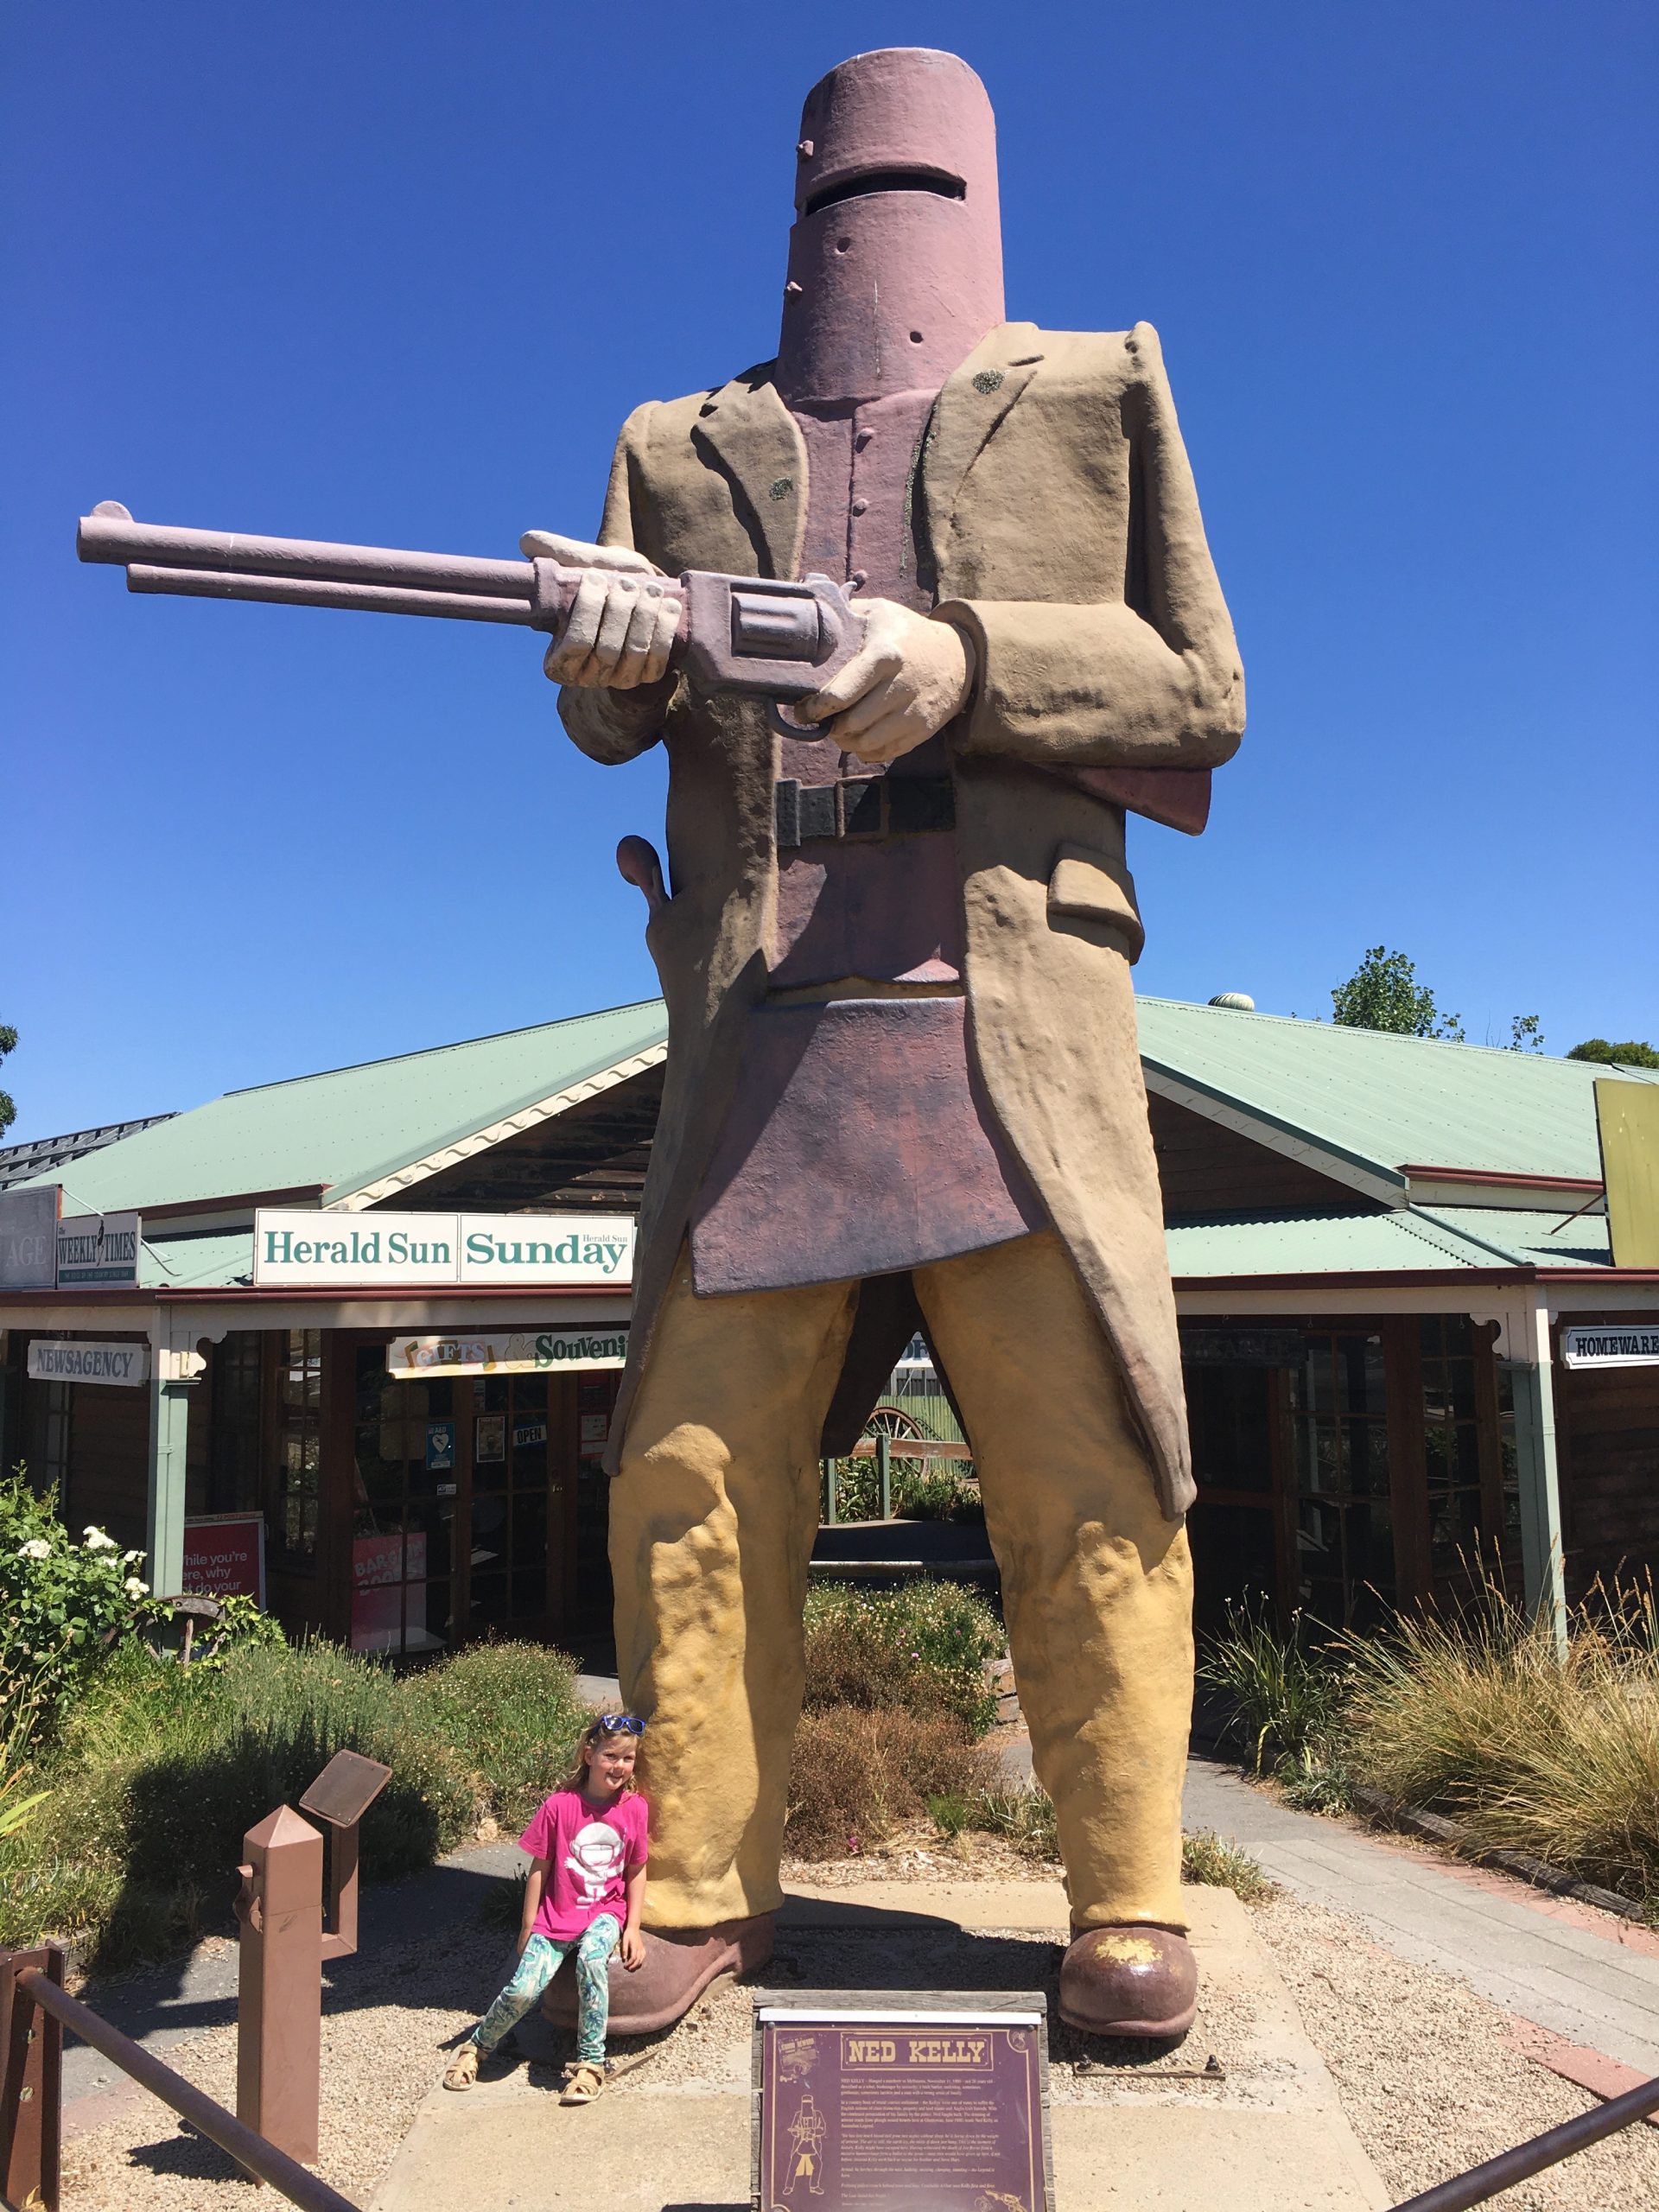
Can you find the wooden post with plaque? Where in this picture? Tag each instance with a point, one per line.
(895, 2100)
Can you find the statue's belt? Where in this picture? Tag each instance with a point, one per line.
(866, 806)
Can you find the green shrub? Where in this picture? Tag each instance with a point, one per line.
(63, 1605)
(510, 1714)
(1287, 1695)
(858, 1773)
(937, 1491)
(161, 1771)
(923, 1646)
(858, 1490)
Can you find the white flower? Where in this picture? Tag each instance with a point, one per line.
(97, 1540)
(128, 1557)
(36, 1548)
(134, 1588)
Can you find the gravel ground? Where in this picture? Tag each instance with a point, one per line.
(382, 2049)
(1426, 2069)
(1429, 2075)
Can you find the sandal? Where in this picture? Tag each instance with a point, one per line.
(463, 2070)
(586, 2081)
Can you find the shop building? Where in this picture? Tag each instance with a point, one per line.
(382, 1311)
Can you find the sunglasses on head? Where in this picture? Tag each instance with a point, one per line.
(620, 1724)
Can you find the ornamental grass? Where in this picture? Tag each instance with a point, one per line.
(1477, 1718)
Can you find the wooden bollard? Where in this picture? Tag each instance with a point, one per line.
(279, 2025)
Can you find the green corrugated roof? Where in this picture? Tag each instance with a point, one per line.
(221, 1261)
(1381, 1100)
(1543, 1240)
(349, 1126)
(1406, 1240)
(1386, 1101)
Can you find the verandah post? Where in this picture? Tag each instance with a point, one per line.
(1532, 1386)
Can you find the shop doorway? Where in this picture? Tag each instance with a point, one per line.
(479, 1506)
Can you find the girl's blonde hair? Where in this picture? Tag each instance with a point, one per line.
(591, 1738)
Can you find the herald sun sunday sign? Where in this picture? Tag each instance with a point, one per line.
(328, 1251)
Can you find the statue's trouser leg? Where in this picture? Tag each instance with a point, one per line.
(713, 1516)
(1097, 1585)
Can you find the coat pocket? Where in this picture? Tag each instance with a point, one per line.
(1091, 886)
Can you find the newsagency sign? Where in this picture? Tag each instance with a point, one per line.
(370, 1251)
(56, 1360)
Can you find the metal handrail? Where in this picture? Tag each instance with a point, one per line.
(262, 2159)
(1528, 2159)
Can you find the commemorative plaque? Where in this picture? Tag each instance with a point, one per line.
(896, 2101)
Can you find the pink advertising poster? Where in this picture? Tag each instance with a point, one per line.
(225, 1556)
(378, 1572)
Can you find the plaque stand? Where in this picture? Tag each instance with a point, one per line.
(898, 2101)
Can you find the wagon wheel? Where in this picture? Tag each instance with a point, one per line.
(898, 1427)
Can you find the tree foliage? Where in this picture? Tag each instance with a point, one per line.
(1383, 992)
(8, 1105)
(1630, 1054)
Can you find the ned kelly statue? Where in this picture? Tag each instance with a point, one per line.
(895, 935)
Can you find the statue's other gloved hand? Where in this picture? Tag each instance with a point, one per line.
(906, 681)
(622, 625)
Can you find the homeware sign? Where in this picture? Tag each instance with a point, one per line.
(365, 1251)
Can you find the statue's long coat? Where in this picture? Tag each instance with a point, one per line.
(1055, 494)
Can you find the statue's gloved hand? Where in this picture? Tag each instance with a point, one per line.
(906, 681)
(621, 626)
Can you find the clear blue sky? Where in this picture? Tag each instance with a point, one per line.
(395, 273)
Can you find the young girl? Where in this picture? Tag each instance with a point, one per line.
(586, 1892)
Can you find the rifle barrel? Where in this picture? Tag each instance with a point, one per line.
(120, 540)
(303, 591)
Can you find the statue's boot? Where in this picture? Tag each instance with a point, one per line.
(680, 1963)
(1130, 1980)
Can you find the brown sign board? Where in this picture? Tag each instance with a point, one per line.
(893, 2101)
(346, 1788)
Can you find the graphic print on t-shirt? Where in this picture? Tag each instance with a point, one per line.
(595, 1860)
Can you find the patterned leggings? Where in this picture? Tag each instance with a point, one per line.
(542, 1960)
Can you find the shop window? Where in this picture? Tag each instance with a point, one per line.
(1457, 1533)
(50, 1408)
(510, 1442)
(406, 1482)
(1233, 1527)
(1344, 1521)
(595, 1404)
(299, 1448)
(233, 1446)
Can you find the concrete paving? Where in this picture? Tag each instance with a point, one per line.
(1583, 1974)
(1270, 2136)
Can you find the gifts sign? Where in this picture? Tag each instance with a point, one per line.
(866, 2103)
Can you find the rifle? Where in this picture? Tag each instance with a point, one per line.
(759, 637)
(752, 635)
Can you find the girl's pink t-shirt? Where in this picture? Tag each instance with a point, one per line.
(589, 1850)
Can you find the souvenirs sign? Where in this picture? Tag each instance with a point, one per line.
(363, 1251)
(507, 1351)
(930, 2102)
